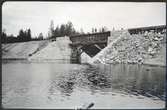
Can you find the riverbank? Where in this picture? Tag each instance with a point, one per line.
(22, 50)
(147, 49)
(38, 50)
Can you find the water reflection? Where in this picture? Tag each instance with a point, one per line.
(137, 79)
(97, 78)
(66, 85)
(65, 82)
(132, 79)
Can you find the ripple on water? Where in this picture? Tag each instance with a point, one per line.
(65, 87)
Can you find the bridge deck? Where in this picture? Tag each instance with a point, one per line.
(143, 29)
(87, 39)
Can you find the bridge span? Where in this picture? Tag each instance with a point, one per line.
(88, 43)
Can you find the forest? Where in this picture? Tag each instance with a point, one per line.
(66, 29)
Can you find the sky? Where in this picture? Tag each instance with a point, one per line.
(86, 15)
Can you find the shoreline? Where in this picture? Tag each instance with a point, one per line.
(68, 61)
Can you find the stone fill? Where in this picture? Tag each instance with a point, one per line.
(147, 48)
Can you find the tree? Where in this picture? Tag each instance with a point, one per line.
(40, 37)
(81, 31)
(62, 30)
(95, 30)
(57, 32)
(105, 28)
(24, 35)
(51, 30)
(69, 28)
(11, 39)
(74, 31)
(4, 37)
(100, 29)
(21, 35)
(29, 35)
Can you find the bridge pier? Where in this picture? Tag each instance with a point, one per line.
(76, 54)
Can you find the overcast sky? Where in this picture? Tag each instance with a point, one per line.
(37, 15)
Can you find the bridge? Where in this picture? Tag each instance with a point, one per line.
(158, 29)
(88, 43)
(95, 42)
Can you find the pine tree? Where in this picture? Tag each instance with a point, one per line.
(51, 30)
(29, 35)
(40, 37)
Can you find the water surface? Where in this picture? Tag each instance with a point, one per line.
(63, 85)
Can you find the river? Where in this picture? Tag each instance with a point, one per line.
(64, 85)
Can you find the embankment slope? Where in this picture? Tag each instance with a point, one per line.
(38, 50)
(56, 50)
(22, 50)
(148, 48)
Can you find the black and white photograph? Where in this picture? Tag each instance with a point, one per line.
(83, 55)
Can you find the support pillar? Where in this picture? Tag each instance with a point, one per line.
(76, 54)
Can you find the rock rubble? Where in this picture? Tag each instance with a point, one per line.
(136, 48)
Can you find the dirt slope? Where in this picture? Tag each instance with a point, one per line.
(56, 50)
(22, 50)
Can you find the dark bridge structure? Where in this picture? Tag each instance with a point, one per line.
(140, 30)
(88, 43)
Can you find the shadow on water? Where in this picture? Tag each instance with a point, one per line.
(132, 79)
(143, 80)
(97, 78)
(64, 86)
(65, 83)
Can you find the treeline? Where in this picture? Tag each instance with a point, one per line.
(23, 36)
(8, 39)
(66, 29)
(62, 30)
